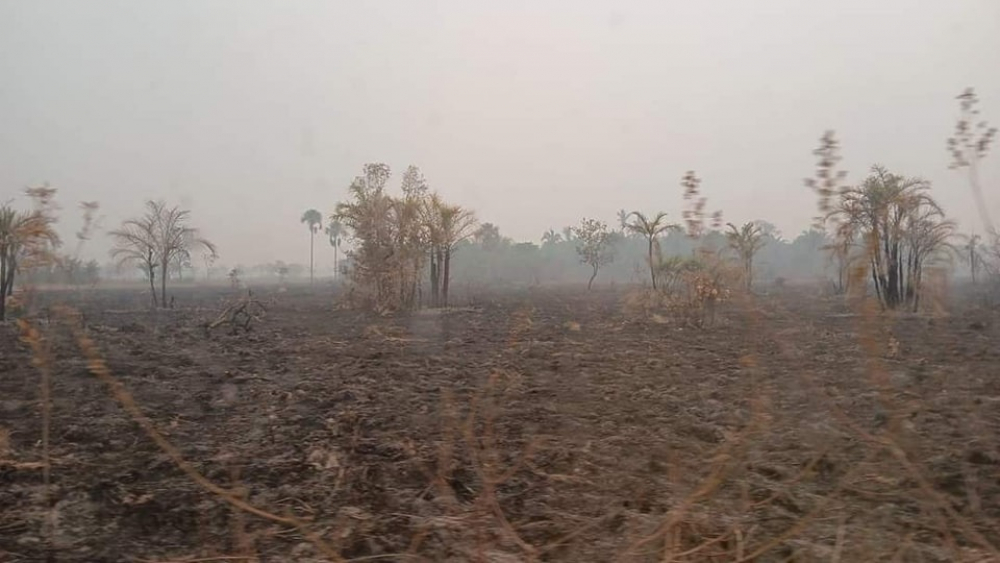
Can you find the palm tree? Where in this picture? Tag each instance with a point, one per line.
(24, 237)
(10, 242)
(551, 237)
(447, 225)
(746, 241)
(900, 226)
(335, 232)
(313, 219)
(651, 229)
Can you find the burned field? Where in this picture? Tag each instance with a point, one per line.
(537, 425)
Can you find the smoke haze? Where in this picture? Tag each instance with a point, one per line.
(534, 114)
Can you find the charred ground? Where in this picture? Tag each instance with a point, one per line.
(863, 438)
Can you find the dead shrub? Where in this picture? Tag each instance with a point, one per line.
(690, 291)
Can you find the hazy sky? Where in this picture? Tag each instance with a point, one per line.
(534, 113)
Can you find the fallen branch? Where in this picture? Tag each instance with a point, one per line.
(239, 315)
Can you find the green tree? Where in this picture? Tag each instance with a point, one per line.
(313, 220)
(593, 245)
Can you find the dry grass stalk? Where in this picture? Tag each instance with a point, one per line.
(42, 360)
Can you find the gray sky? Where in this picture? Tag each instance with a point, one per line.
(534, 113)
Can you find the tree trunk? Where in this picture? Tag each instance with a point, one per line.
(592, 276)
(336, 263)
(446, 274)
(9, 277)
(652, 269)
(438, 257)
(152, 283)
(878, 287)
(3, 288)
(415, 282)
(434, 279)
(163, 284)
(312, 243)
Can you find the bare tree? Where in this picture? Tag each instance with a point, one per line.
(175, 240)
(135, 244)
(651, 229)
(156, 240)
(593, 245)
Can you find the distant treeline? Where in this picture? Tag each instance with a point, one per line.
(496, 260)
